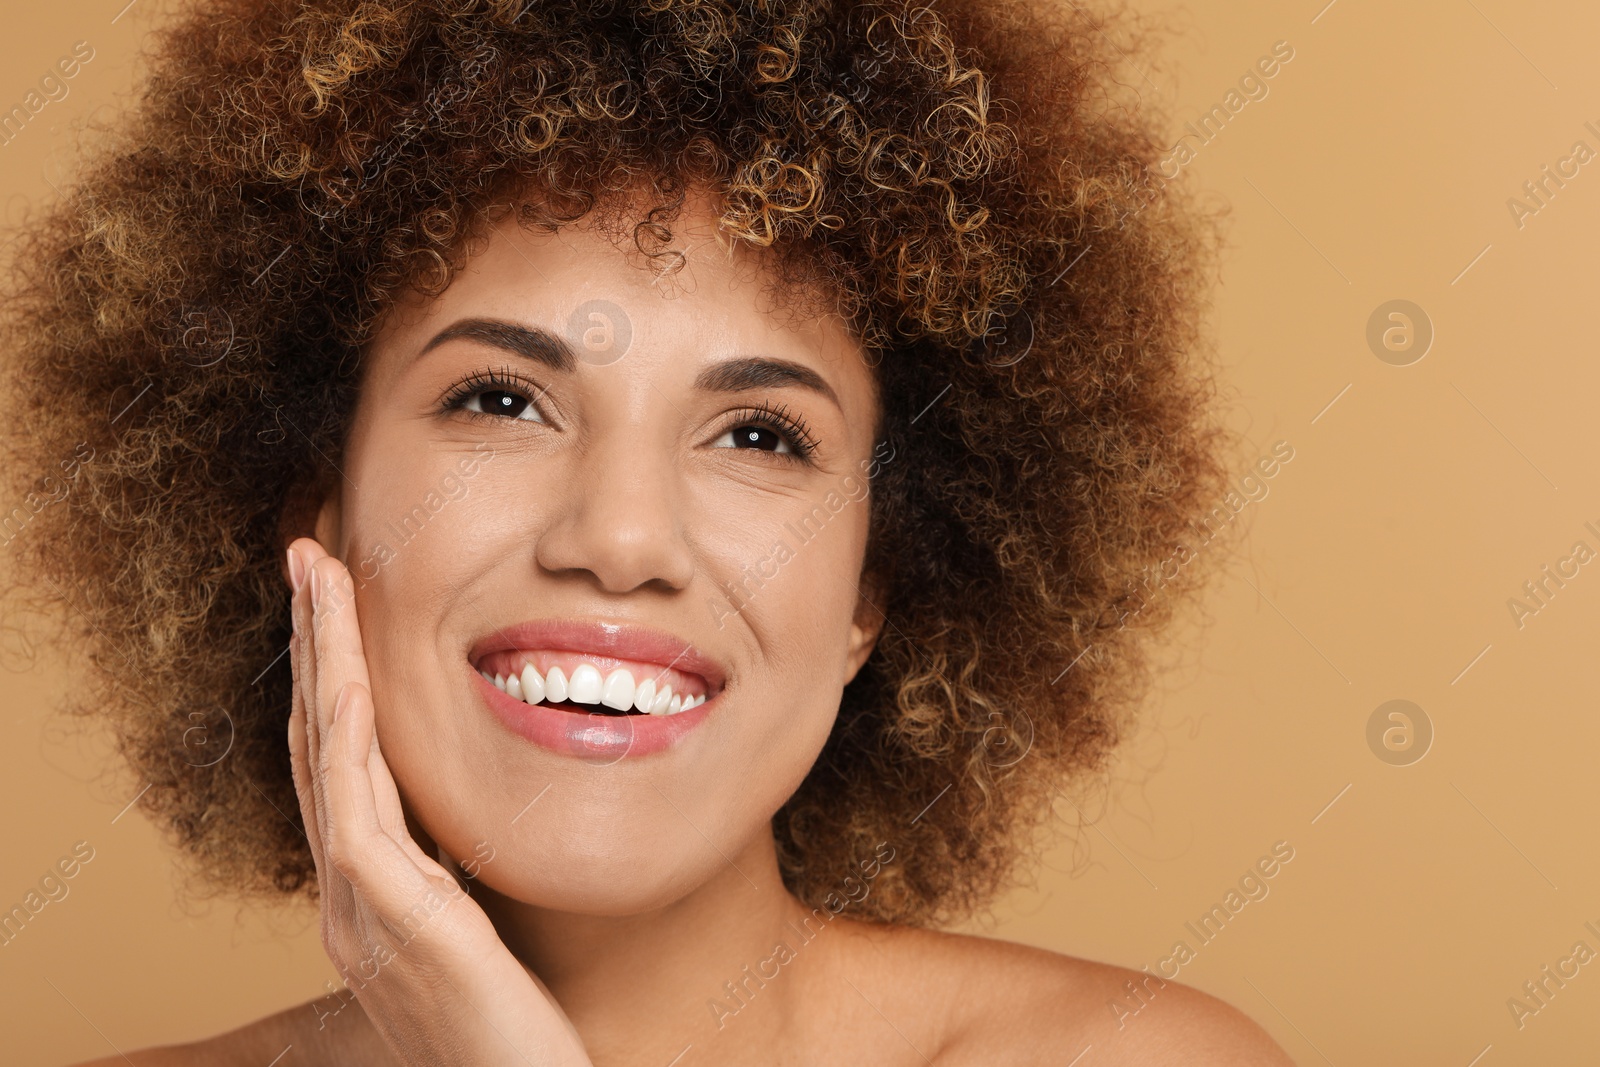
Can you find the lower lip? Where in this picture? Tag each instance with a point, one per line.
(595, 737)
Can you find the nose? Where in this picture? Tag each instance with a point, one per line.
(618, 519)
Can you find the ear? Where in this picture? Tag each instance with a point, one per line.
(866, 625)
(315, 510)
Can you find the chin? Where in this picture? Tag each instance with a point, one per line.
(629, 875)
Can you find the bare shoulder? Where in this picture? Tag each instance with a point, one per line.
(1012, 1004)
(323, 1031)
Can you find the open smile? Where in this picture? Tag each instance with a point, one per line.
(607, 685)
(595, 690)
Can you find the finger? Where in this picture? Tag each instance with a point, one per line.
(299, 760)
(335, 897)
(357, 843)
(300, 764)
(306, 684)
(341, 658)
(338, 659)
(339, 655)
(306, 665)
(391, 817)
(390, 812)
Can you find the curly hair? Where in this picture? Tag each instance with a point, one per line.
(185, 327)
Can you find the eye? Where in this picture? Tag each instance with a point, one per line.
(752, 436)
(496, 395)
(507, 402)
(769, 429)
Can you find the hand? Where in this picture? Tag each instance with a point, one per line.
(430, 972)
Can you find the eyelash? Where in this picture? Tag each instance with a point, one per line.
(506, 380)
(781, 420)
(775, 417)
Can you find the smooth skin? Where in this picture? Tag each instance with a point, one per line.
(619, 902)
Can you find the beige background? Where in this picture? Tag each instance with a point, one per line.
(1378, 567)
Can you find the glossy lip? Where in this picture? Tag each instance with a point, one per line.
(596, 737)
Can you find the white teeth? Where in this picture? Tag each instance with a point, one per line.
(555, 686)
(618, 690)
(584, 686)
(532, 685)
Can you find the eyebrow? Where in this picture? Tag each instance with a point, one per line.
(762, 372)
(541, 346)
(728, 376)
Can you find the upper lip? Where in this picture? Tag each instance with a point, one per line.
(602, 638)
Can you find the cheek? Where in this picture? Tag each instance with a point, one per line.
(784, 581)
(792, 602)
(413, 564)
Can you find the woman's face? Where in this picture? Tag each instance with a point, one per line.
(612, 504)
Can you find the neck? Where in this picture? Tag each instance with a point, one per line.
(635, 984)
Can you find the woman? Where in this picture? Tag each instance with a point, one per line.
(678, 475)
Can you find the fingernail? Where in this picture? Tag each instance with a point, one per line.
(316, 591)
(343, 702)
(297, 570)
